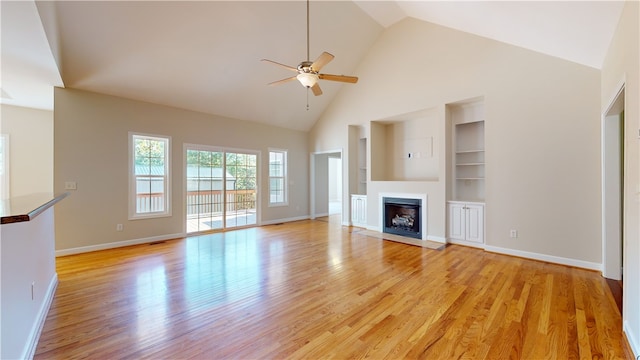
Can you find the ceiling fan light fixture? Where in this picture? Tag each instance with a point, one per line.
(307, 79)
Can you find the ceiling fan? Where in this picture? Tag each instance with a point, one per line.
(309, 72)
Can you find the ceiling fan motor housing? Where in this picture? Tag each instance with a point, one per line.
(305, 67)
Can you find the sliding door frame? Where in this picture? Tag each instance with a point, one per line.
(224, 151)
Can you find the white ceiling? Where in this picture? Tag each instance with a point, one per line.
(205, 55)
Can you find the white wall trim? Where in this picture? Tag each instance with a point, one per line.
(439, 239)
(291, 219)
(631, 338)
(370, 227)
(36, 330)
(466, 243)
(548, 258)
(117, 244)
(611, 254)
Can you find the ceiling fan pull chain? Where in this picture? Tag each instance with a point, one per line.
(307, 99)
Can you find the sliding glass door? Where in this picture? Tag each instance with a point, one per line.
(221, 188)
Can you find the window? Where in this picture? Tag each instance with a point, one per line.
(149, 179)
(277, 177)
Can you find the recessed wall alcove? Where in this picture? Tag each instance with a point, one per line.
(403, 148)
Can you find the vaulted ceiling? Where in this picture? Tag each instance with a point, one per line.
(205, 55)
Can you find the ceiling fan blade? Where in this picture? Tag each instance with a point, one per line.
(281, 65)
(321, 61)
(282, 81)
(316, 89)
(341, 78)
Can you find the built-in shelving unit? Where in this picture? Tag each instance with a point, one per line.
(358, 174)
(362, 166)
(469, 153)
(466, 202)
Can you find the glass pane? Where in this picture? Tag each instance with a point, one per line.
(157, 186)
(205, 171)
(231, 159)
(156, 149)
(216, 159)
(141, 147)
(192, 157)
(205, 158)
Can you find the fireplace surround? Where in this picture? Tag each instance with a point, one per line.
(403, 216)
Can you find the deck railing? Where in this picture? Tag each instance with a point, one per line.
(202, 202)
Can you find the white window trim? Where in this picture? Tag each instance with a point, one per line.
(132, 179)
(286, 177)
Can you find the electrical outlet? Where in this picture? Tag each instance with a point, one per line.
(70, 185)
(119, 227)
(513, 234)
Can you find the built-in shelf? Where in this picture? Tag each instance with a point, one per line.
(362, 166)
(467, 120)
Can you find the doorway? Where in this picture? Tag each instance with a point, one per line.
(326, 185)
(221, 188)
(613, 186)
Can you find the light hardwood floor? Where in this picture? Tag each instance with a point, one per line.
(315, 289)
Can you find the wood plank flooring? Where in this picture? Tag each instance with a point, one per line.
(315, 289)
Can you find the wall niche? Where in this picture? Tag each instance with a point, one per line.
(403, 148)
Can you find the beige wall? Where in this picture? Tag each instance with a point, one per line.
(542, 133)
(91, 148)
(622, 66)
(31, 149)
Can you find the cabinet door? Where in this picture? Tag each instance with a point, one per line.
(457, 221)
(363, 210)
(358, 210)
(355, 215)
(474, 223)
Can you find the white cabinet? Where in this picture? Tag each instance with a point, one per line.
(359, 210)
(466, 221)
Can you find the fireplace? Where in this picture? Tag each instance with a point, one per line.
(402, 216)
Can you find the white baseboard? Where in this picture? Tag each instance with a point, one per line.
(548, 258)
(634, 341)
(279, 221)
(465, 243)
(372, 228)
(438, 239)
(117, 244)
(41, 317)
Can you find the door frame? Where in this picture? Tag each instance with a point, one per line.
(312, 180)
(614, 184)
(224, 150)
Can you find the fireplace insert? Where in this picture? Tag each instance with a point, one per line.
(402, 216)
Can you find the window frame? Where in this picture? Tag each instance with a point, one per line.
(133, 212)
(284, 177)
